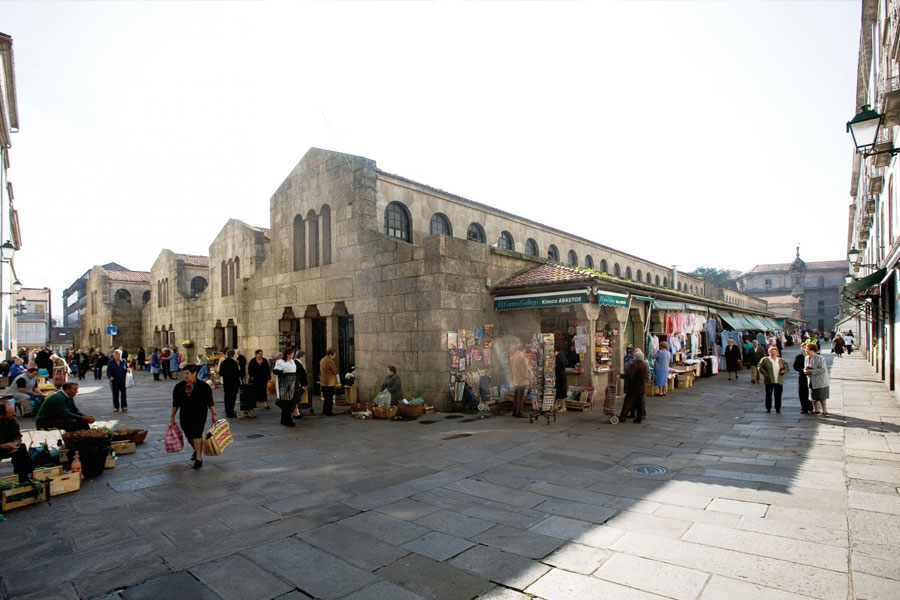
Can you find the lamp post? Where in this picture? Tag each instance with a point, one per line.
(7, 251)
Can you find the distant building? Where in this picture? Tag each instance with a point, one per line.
(33, 319)
(75, 297)
(9, 218)
(815, 286)
(115, 297)
(62, 340)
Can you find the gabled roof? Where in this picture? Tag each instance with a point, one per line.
(546, 274)
(193, 259)
(132, 276)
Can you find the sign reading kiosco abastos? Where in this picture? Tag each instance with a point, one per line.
(541, 300)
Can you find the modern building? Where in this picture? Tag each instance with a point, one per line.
(816, 286)
(10, 237)
(384, 269)
(33, 321)
(873, 243)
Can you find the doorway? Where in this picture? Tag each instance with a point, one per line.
(319, 346)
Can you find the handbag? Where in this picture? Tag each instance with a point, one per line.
(270, 387)
(740, 365)
(174, 439)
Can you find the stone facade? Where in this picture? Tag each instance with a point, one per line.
(115, 297)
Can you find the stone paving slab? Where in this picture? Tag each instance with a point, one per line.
(179, 585)
(511, 570)
(358, 549)
(236, 578)
(653, 576)
(434, 580)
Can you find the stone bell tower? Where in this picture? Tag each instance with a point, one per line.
(798, 277)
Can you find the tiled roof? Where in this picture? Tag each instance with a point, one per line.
(133, 276)
(193, 259)
(547, 274)
(823, 264)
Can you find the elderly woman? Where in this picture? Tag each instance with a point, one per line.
(117, 371)
(817, 371)
(772, 368)
(393, 384)
(661, 361)
(802, 380)
(193, 398)
(259, 373)
(732, 359)
(635, 377)
(287, 390)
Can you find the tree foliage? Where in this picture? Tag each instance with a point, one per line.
(720, 276)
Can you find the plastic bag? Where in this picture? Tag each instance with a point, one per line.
(417, 400)
(174, 439)
(129, 380)
(383, 399)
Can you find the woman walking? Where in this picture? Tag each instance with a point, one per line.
(661, 361)
(155, 364)
(286, 390)
(802, 380)
(732, 359)
(165, 364)
(328, 372)
(259, 374)
(818, 379)
(174, 362)
(97, 361)
(141, 358)
(837, 346)
(193, 398)
(772, 368)
(302, 385)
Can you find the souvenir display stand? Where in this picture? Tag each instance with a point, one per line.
(543, 405)
(470, 362)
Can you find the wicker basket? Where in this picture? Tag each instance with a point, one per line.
(139, 436)
(361, 407)
(384, 412)
(411, 411)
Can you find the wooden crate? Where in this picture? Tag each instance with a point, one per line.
(65, 483)
(110, 462)
(123, 447)
(585, 401)
(19, 497)
(46, 473)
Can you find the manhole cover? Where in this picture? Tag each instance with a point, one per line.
(456, 436)
(647, 469)
(453, 417)
(254, 436)
(426, 422)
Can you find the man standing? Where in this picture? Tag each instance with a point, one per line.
(58, 411)
(116, 370)
(229, 371)
(755, 354)
(519, 377)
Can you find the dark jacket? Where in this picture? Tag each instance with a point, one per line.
(562, 385)
(116, 371)
(230, 372)
(57, 406)
(242, 365)
(302, 379)
(755, 355)
(260, 373)
(635, 377)
(732, 358)
(393, 384)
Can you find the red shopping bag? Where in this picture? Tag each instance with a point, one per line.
(174, 438)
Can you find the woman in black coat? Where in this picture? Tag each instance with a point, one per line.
(562, 384)
(193, 397)
(732, 359)
(230, 373)
(260, 373)
(799, 365)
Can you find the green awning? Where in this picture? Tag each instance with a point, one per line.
(644, 298)
(666, 305)
(611, 299)
(696, 307)
(737, 322)
(757, 322)
(851, 289)
(774, 324)
(545, 300)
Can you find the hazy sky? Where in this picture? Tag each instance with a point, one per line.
(690, 133)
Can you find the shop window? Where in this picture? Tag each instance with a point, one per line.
(397, 222)
(299, 244)
(572, 259)
(325, 232)
(564, 326)
(640, 275)
(657, 280)
(553, 253)
(603, 266)
(145, 298)
(589, 262)
(506, 241)
(198, 285)
(440, 225)
(312, 241)
(531, 247)
(475, 233)
(616, 270)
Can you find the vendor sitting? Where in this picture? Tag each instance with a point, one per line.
(393, 385)
(11, 445)
(58, 411)
(26, 392)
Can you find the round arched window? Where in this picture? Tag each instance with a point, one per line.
(572, 259)
(440, 225)
(531, 247)
(506, 241)
(475, 233)
(397, 222)
(617, 271)
(603, 266)
(589, 262)
(553, 253)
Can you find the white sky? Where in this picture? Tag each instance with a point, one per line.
(690, 133)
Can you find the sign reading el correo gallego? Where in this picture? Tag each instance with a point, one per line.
(541, 300)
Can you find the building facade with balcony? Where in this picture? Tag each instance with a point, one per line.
(9, 221)
(870, 302)
(33, 321)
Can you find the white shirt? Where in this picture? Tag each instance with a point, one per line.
(285, 367)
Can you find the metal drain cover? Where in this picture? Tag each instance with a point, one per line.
(648, 469)
(254, 436)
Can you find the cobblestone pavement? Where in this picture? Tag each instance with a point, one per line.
(754, 505)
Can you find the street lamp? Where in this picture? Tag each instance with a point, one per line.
(6, 251)
(853, 254)
(848, 278)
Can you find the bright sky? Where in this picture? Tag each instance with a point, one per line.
(690, 133)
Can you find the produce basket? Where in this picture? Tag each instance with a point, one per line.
(384, 412)
(362, 407)
(90, 436)
(139, 436)
(411, 411)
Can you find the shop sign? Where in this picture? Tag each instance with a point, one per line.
(541, 300)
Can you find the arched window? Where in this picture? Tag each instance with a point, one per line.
(665, 282)
(628, 273)
(589, 262)
(640, 276)
(616, 270)
(145, 297)
(198, 285)
(657, 280)
(312, 241)
(230, 276)
(237, 268)
(166, 291)
(506, 241)
(299, 243)
(325, 217)
(679, 286)
(440, 225)
(531, 248)
(553, 253)
(397, 223)
(604, 268)
(475, 233)
(572, 259)
(692, 289)
(122, 299)
(224, 279)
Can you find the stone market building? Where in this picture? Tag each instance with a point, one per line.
(375, 265)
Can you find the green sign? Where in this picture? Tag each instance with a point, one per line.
(541, 301)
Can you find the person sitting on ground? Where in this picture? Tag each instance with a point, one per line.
(393, 384)
(58, 411)
(26, 391)
(11, 445)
